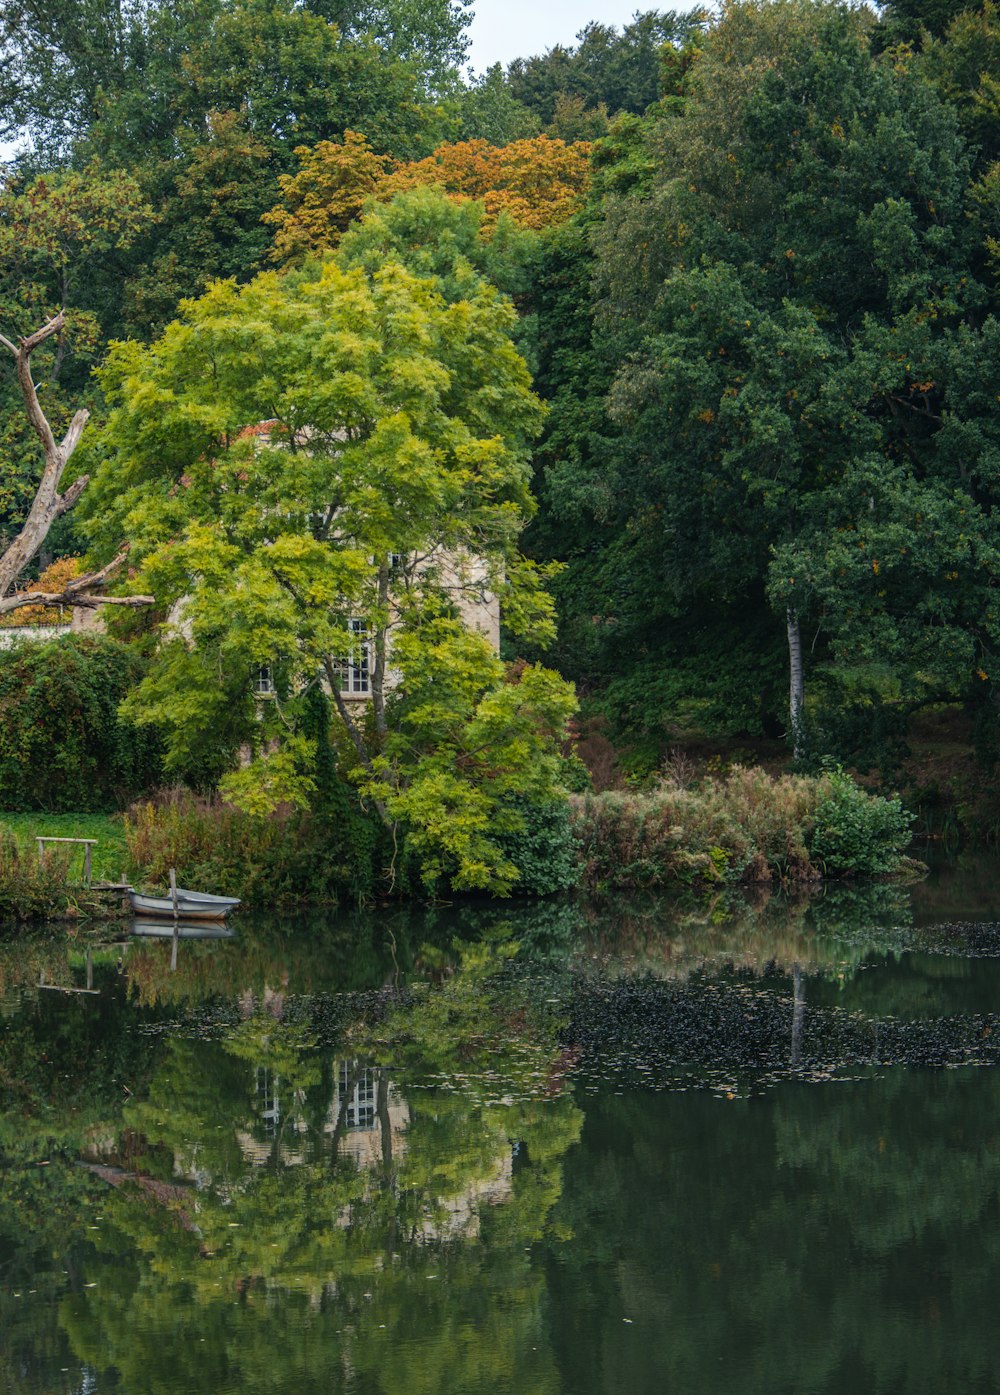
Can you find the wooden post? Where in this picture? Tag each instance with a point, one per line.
(173, 950)
(173, 890)
(88, 845)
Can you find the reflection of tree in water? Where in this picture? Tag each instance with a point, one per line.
(326, 1185)
(827, 1240)
(828, 927)
(335, 1198)
(338, 953)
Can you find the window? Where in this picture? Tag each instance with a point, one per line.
(360, 1100)
(352, 670)
(267, 1094)
(263, 682)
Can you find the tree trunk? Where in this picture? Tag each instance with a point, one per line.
(379, 646)
(798, 1013)
(49, 504)
(796, 690)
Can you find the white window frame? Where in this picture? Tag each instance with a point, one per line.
(353, 671)
(263, 681)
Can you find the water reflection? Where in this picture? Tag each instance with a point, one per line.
(534, 1150)
(828, 1240)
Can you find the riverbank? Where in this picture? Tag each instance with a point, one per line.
(744, 827)
(934, 766)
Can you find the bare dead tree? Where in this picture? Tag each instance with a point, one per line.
(49, 504)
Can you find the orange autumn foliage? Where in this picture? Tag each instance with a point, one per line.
(537, 182)
(54, 578)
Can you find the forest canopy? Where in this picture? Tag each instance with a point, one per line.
(749, 259)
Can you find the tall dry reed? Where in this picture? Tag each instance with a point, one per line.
(745, 826)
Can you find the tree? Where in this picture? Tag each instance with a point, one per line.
(124, 78)
(537, 182)
(56, 232)
(488, 110)
(912, 21)
(534, 183)
(428, 34)
(619, 72)
(49, 504)
(387, 487)
(760, 393)
(964, 65)
(59, 57)
(209, 202)
(331, 186)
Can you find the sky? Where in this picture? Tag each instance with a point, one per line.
(506, 29)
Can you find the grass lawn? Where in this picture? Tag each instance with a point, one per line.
(108, 857)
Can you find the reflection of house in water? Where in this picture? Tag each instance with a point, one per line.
(355, 1123)
(366, 1123)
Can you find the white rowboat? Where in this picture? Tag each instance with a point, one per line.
(185, 905)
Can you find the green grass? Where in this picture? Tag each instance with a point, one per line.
(108, 857)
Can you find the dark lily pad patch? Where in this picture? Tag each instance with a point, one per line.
(741, 1033)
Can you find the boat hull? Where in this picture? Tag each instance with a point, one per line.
(182, 930)
(190, 905)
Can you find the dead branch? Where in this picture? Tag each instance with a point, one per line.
(78, 592)
(48, 503)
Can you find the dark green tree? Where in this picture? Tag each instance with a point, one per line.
(771, 408)
(618, 71)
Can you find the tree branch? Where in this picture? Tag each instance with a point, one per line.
(76, 593)
(65, 502)
(919, 411)
(47, 505)
(72, 438)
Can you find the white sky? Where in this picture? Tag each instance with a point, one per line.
(506, 29)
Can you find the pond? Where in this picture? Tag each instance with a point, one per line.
(550, 1150)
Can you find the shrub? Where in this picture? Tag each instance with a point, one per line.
(745, 826)
(544, 850)
(30, 890)
(289, 856)
(63, 746)
(855, 833)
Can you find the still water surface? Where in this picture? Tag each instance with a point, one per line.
(538, 1150)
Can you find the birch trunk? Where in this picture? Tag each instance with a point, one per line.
(379, 646)
(796, 690)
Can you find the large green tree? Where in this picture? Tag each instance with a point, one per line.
(386, 493)
(619, 72)
(70, 67)
(791, 318)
